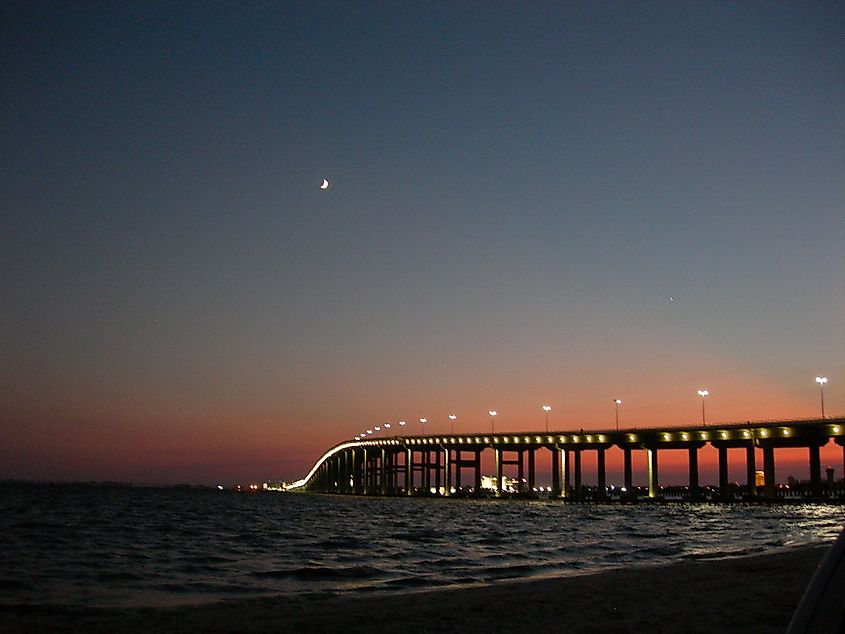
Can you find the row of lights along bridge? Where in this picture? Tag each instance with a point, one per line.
(821, 380)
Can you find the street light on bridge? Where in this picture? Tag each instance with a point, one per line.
(821, 380)
(547, 409)
(702, 394)
(493, 413)
(452, 418)
(617, 402)
(423, 421)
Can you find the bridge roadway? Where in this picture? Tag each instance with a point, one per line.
(409, 465)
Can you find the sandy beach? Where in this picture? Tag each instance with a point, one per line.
(752, 594)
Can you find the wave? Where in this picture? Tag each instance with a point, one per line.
(320, 573)
(93, 546)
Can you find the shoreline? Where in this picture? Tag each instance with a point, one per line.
(756, 593)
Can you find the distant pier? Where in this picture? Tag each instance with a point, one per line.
(437, 464)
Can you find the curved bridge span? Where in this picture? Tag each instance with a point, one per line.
(436, 464)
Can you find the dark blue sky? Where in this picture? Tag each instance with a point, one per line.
(517, 189)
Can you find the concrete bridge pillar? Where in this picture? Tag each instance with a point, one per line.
(629, 471)
(815, 471)
(426, 471)
(392, 485)
(359, 471)
(770, 488)
(602, 474)
(478, 472)
(567, 484)
(750, 472)
(384, 472)
(409, 471)
(387, 471)
(372, 471)
(499, 471)
(555, 471)
(693, 473)
(531, 478)
(724, 490)
(458, 469)
(653, 480)
(577, 468)
(438, 469)
(447, 466)
(337, 471)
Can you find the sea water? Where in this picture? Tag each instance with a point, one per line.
(89, 545)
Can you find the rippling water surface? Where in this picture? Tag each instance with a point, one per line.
(111, 546)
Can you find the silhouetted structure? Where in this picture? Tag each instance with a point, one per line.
(436, 464)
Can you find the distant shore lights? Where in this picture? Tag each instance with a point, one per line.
(617, 402)
(493, 413)
(821, 380)
(547, 409)
(702, 394)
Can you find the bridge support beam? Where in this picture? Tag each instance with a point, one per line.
(815, 471)
(393, 485)
(653, 480)
(477, 472)
(567, 483)
(694, 491)
(601, 476)
(425, 476)
(384, 472)
(531, 471)
(750, 472)
(447, 466)
(394, 476)
(770, 488)
(358, 478)
(724, 490)
(409, 471)
(499, 471)
(629, 471)
(577, 474)
(438, 469)
(555, 472)
(520, 470)
(458, 469)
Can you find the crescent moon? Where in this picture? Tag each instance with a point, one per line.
(324, 184)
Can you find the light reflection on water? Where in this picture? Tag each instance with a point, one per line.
(131, 546)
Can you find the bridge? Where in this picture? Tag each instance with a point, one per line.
(435, 464)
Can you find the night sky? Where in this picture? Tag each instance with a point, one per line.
(529, 203)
